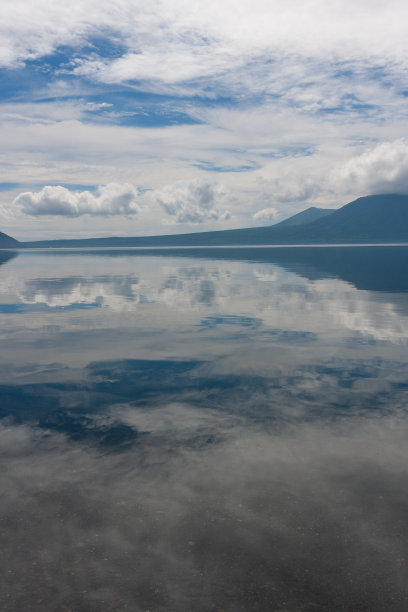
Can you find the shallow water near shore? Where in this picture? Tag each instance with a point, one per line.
(204, 429)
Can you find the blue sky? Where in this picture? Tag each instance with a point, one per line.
(121, 118)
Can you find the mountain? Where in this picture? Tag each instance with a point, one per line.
(306, 216)
(370, 219)
(7, 242)
(377, 218)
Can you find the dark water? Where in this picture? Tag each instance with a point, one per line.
(204, 430)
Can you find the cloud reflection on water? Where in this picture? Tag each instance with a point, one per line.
(214, 435)
(126, 283)
(312, 517)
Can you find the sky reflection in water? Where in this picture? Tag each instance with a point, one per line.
(207, 430)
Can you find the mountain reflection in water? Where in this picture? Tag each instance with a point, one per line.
(208, 429)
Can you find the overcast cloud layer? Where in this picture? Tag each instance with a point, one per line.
(206, 114)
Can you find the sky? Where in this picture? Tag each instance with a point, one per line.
(122, 117)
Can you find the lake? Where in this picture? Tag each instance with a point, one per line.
(204, 429)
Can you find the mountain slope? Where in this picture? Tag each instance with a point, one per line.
(7, 242)
(376, 219)
(306, 216)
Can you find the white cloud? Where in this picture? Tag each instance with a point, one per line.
(305, 25)
(95, 106)
(174, 42)
(381, 169)
(267, 214)
(111, 199)
(192, 201)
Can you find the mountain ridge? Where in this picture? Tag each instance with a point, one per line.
(369, 219)
(7, 241)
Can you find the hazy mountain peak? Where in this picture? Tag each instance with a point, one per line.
(305, 216)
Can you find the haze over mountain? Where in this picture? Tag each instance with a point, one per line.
(370, 219)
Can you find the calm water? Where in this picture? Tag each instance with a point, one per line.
(208, 430)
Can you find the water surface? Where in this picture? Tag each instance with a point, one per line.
(204, 430)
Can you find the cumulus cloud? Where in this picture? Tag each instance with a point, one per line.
(194, 201)
(382, 169)
(110, 199)
(267, 214)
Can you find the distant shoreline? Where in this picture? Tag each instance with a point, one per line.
(209, 246)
